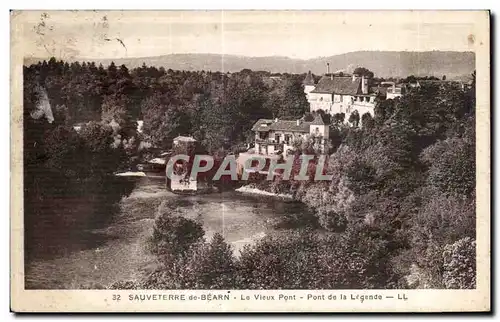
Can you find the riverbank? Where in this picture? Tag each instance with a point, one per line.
(251, 189)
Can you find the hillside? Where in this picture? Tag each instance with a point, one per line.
(382, 63)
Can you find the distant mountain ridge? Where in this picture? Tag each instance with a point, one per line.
(382, 63)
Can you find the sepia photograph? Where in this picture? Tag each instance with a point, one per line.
(230, 151)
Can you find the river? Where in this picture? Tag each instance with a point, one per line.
(101, 255)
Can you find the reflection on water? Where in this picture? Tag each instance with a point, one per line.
(99, 254)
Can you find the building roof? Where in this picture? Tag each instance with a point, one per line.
(265, 125)
(185, 138)
(318, 120)
(291, 126)
(309, 80)
(438, 81)
(262, 125)
(382, 90)
(421, 82)
(157, 161)
(466, 79)
(338, 85)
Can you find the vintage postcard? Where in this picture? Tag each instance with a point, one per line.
(250, 161)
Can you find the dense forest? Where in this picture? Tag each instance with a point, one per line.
(398, 213)
(216, 108)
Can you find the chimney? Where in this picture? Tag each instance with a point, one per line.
(275, 120)
(298, 122)
(364, 84)
(353, 77)
(327, 68)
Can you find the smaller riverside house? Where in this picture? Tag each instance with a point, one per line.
(277, 136)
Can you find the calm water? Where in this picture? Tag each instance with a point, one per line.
(98, 255)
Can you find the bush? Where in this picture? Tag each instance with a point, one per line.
(124, 285)
(444, 220)
(174, 235)
(330, 201)
(460, 264)
(280, 262)
(169, 275)
(210, 266)
(452, 166)
(280, 186)
(306, 261)
(441, 222)
(293, 260)
(204, 266)
(364, 252)
(354, 118)
(330, 220)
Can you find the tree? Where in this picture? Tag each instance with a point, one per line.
(471, 95)
(327, 118)
(437, 235)
(410, 79)
(452, 166)
(266, 264)
(460, 264)
(99, 155)
(384, 110)
(115, 108)
(112, 70)
(163, 119)
(175, 235)
(338, 118)
(288, 100)
(274, 104)
(211, 266)
(63, 151)
(361, 71)
(354, 118)
(296, 103)
(367, 121)
(334, 262)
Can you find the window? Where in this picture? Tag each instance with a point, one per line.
(277, 138)
(341, 98)
(287, 138)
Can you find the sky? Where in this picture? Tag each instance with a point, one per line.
(295, 34)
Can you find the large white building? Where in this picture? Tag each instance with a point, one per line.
(340, 94)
